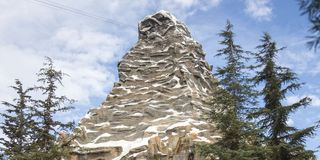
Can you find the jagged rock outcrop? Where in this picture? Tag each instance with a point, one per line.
(157, 109)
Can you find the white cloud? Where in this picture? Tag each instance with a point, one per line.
(88, 78)
(299, 62)
(215, 2)
(315, 99)
(16, 63)
(79, 46)
(185, 8)
(290, 122)
(187, 4)
(259, 9)
(305, 63)
(183, 3)
(87, 45)
(83, 47)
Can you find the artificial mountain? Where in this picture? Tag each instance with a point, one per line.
(158, 108)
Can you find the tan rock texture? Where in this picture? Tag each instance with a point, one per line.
(157, 109)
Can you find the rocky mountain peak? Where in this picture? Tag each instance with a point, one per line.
(158, 107)
(160, 25)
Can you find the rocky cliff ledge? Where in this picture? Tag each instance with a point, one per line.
(156, 110)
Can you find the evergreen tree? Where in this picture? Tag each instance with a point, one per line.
(18, 124)
(312, 9)
(240, 139)
(286, 142)
(29, 125)
(50, 78)
(233, 77)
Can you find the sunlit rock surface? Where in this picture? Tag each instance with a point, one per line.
(157, 109)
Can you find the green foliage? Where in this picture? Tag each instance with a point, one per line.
(240, 138)
(233, 77)
(18, 123)
(28, 124)
(55, 153)
(312, 9)
(286, 142)
(50, 105)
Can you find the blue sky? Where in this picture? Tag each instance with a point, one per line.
(89, 49)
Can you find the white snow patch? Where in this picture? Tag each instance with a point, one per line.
(131, 135)
(137, 115)
(185, 69)
(122, 127)
(102, 124)
(132, 104)
(179, 124)
(156, 85)
(199, 123)
(178, 85)
(174, 112)
(124, 88)
(195, 130)
(174, 133)
(143, 123)
(126, 145)
(143, 88)
(202, 139)
(87, 130)
(120, 105)
(216, 137)
(102, 135)
(173, 97)
(90, 131)
(154, 106)
(165, 138)
(135, 154)
(118, 111)
(135, 77)
(152, 129)
(159, 119)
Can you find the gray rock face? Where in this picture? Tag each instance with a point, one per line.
(157, 108)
